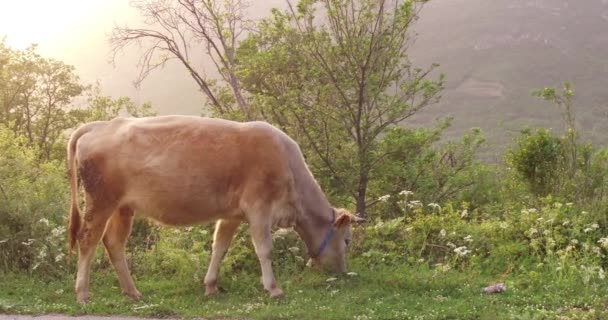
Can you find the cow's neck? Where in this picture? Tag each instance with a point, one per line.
(314, 222)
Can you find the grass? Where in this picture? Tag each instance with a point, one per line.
(376, 292)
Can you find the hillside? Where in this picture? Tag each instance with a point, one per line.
(495, 52)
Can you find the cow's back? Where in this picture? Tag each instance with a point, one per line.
(184, 170)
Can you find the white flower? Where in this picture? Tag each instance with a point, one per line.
(406, 193)
(468, 238)
(569, 204)
(503, 225)
(525, 211)
(532, 210)
(434, 206)
(294, 250)
(331, 279)
(574, 241)
(445, 268)
(464, 213)
(462, 251)
(595, 226)
(44, 221)
(566, 222)
(584, 212)
(408, 229)
(557, 205)
(442, 233)
(58, 231)
(414, 204)
(451, 245)
(603, 242)
(587, 230)
(532, 231)
(601, 274)
(352, 274)
(59, 257)
(384, 198)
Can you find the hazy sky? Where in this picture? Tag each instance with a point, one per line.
(75, 32)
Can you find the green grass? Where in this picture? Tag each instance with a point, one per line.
(404, 292)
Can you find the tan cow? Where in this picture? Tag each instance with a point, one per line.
(185, 170)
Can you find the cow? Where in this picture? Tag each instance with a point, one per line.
(189, 170)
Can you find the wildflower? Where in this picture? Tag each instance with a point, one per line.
(603, 242)
(525, 211)
(445, 268)
(294, 250)
(569, 204)
(570, 248)
(601, 274)
(434, 206)
(415, 204)
(408, 229)
(584, 212)
(503, 225)
(566, 222)
(574, 241)
(58, 231)
(384, 198)
(546, 232)
(468, 238)
(352, 274)
(451, 245)
(406, 193)
(442, 233)
(595, 226)
(59, 257)
(331, 279)
(462, 251)
(464, 213)
(532, 210)
(44, 221)
(558, 205)
(587, 230)
(532, 231)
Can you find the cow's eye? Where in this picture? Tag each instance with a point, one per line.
(347, 241)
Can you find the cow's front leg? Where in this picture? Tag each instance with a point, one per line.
(224, 232)
(262, 241)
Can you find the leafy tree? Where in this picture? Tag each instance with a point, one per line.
(336, 81)
(36, 93)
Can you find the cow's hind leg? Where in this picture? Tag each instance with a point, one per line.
(224, 232)
(115, 238)
(262, 241)
(91, 231)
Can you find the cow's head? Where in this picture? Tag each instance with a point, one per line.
(333, 253)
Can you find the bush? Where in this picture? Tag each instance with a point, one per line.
(32, 232)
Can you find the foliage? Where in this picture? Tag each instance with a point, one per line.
(34, 95)
(337, 86)
(32, 203)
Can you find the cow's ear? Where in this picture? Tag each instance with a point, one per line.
(345, 218)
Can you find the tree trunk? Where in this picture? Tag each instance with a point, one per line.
(361, 192)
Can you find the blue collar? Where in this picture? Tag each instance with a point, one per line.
(328, 235)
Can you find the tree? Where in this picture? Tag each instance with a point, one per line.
(35, 96)
(178, 30)
(337, 81)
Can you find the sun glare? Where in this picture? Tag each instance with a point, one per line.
(43, 21)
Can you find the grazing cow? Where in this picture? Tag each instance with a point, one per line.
(185, 170)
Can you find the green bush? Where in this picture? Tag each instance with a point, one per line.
(32, 208)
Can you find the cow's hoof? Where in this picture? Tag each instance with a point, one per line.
(210, 290)
(135, 295)
(82, 297)
(276, 293)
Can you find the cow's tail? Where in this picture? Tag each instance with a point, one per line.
(74, 217)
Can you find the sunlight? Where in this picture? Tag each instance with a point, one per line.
(42, 21)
